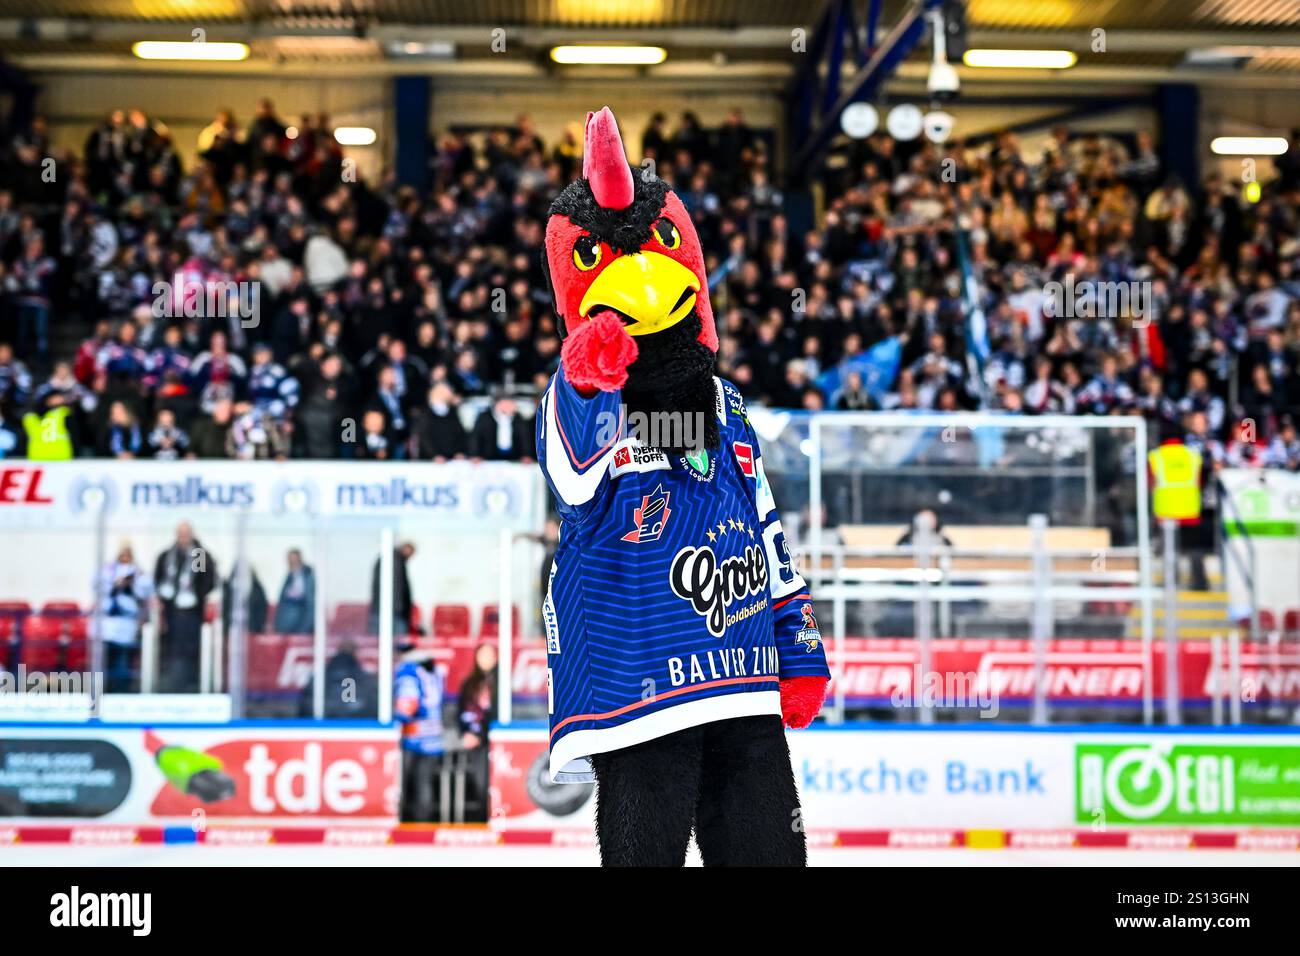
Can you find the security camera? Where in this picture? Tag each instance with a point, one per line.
(938, 126)
(942, 83)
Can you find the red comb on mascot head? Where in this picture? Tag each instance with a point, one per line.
(628, 281)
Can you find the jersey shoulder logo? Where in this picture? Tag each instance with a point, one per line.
(744, 457)
(808, 633)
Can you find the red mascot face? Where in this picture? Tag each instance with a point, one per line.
(625, 244)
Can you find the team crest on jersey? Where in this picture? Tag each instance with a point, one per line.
(700, 465)
(744, 457)
(650, 518)
(808, 634)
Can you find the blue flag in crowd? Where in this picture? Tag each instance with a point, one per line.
(878, 367)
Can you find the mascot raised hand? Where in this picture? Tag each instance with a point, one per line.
(680, 637)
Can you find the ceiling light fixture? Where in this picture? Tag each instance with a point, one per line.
(1021, 59)
(594, 55)
(190, 50)
(1248, 145)
(355, 136)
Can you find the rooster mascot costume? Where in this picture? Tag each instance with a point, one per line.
(679, 635)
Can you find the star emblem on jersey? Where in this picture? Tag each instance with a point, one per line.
(650, 517)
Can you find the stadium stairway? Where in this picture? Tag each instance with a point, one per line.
(66, 335)
(1201, 614)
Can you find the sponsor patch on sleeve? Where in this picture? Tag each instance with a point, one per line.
(630, 455)
(744, 457)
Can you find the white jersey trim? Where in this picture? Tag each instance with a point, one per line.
(574, 487)
(570, 756)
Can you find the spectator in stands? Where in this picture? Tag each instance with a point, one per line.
(255, 605)
(938, 537)
(501, 433)
(167, 441)
(184, 575)
(122, 592)
(120, 436)
(351, 691)
(320, 417)
(270, 387)
(31, 281)
(295, 611)
(255, 435)
(417, 705)
(402, 600)
(476, 710)
(49, 429)
(346, 265)
(210, 436)
(378, 441)
(12, 443)
(15, 380)
(436, 428)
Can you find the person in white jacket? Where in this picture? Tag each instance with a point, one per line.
(123, 590)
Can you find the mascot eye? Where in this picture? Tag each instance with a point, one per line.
(586, 253)
(667, 234)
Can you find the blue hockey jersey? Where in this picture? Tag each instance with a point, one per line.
(673, 601)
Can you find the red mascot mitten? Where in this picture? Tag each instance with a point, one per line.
(596, 355)
(801, 700)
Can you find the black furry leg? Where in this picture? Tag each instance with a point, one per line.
(748, 809)
(645, 800)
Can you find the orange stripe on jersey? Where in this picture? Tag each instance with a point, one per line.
(565, 438)
(798, 597)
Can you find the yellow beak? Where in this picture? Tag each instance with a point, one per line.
(653, 291)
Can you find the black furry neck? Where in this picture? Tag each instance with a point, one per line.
(673, 373)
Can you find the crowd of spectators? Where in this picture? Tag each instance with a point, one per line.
(353, 319)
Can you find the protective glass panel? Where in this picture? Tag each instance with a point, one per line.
(976, 616)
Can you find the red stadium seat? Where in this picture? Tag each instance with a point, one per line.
(350, 619)
(417, 625)
(75, 655)
(491, 620)
(451, 620)
(41, 640)
(1291, 622)
(1267, 622)
(15, 608)
(41, 628)
(61, 609)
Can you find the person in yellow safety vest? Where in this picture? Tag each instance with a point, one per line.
(48, 438)
(1176, 474)
(1176, 495)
